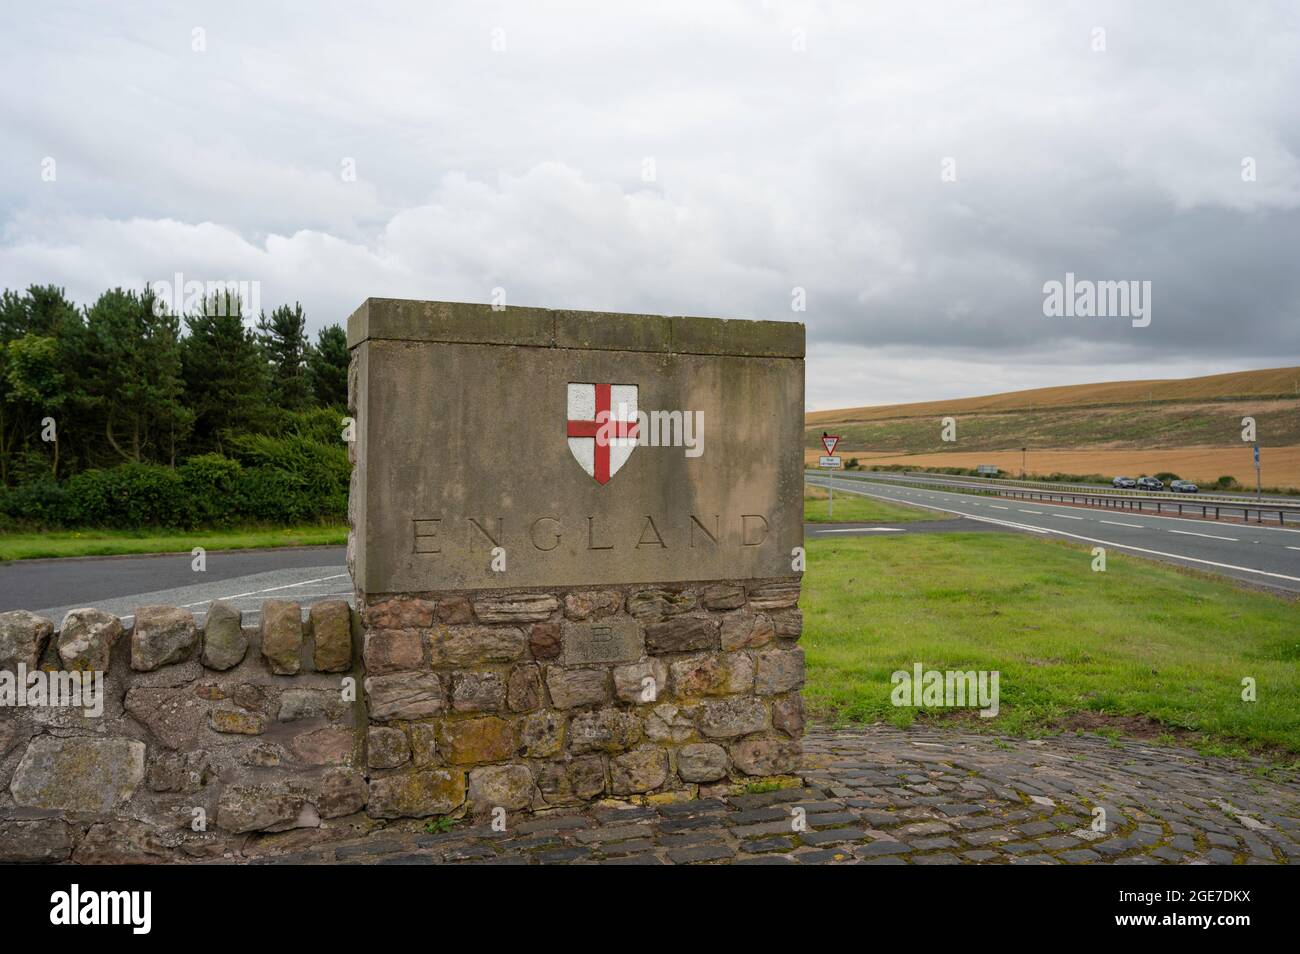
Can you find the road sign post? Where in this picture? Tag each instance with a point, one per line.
(831, 462)
(1259, 493)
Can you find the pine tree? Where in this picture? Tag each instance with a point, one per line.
(283, 340)
(223, 371)
(327, 367)
(133, 376)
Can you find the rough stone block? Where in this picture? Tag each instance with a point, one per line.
(524, 688)
(78, 774)
(386, 747)
(23, 637)
(682, 634)
(765, 756)
(463, 646)
(162, 635)
(702, 762)
(771, 596)
(641, 770)
(476, 739)
(86, 639)
(604, 730)
(244, 808)
(236, 722)
(224, 641)
(516, 608)
(392, 650)
(416, 794)
(746, 630)
(732, 717)
(779, 670)
(39, 840)
(500, 786)
(282, 636)
(404, 695)
(712, 674)
(641, 683)
(570, 688)
(592, 604)
(331, 626)
(400, 613)
(477, 692)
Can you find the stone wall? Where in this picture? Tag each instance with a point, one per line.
(208, 737)
(507, 701)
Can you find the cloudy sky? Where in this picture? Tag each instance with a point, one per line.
(919, 170)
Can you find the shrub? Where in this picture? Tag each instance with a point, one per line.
(210, 483)
(43, 503)
(128, 496)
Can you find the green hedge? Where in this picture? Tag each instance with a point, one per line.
(276, 480)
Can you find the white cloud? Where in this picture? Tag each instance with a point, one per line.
(775, 169)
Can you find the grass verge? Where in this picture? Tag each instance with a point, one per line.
(74, 543)
(854, 508)
(1073, 647)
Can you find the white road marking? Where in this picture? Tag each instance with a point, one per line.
(1066, 516)
(996, 507)
(1039, 512)
(866, 530)
(269, 589)
(1116, 523)
(1108, 543)
(1189, 533)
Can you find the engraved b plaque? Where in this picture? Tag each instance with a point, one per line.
(607, 641)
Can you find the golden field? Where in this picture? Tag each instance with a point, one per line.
(1204, 465)
(1191, 427)
(1269, 382)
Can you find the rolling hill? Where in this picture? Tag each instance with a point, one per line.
(1189, 426)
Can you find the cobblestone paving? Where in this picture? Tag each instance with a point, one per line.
(881, 795)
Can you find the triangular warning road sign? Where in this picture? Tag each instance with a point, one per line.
(829, 441)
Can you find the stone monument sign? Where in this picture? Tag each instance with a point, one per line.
(576, 548)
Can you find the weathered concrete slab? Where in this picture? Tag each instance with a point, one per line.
(463, 447)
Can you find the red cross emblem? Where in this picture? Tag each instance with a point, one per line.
(602, 428)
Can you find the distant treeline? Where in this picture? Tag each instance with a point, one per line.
(125, 414)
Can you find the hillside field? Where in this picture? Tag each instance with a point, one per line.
(1191, 427)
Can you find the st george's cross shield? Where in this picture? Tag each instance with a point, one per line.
(602, 427)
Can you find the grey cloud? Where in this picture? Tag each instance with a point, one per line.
(775, 169)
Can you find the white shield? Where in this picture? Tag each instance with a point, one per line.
(601, 427)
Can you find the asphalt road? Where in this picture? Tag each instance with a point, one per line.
(120, 584)
(1166, 496)
(242, 577)
(1262, 555)
(1266, 556)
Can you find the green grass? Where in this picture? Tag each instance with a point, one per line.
(72, 543)
(1140, 639)
(854, 508)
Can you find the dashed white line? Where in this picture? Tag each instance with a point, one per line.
(269, 589)
(996, 507)
(1189, 533)
(1022, 510)
(1066, 516)
(1116, 523)
(866, 530)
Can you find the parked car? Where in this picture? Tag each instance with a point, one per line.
(1150, 483)
(1183, 487)
(1123, 482)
